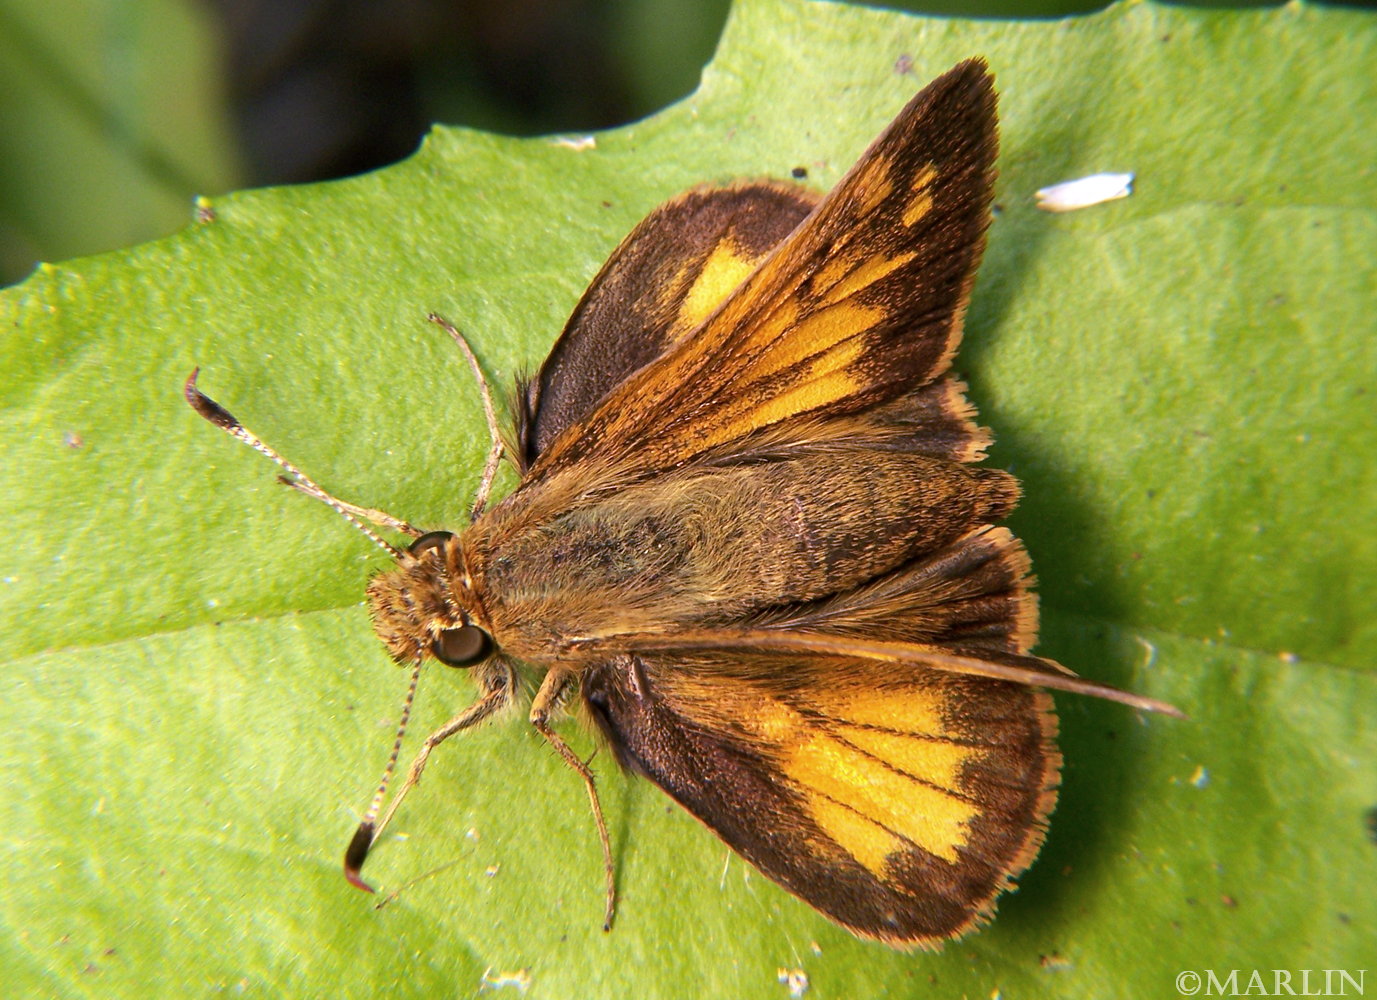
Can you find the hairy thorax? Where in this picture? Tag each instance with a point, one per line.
(710, 545)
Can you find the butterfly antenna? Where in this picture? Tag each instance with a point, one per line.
(227, 422)
(480, 499)
(357, 851)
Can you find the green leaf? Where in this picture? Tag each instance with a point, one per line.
(195, 708)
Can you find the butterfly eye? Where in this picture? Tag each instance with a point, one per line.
(462, 646)
(430, 540)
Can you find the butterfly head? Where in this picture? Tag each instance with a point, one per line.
(426, 606)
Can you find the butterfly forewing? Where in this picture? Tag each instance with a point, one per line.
(897, 802)
(860, 304)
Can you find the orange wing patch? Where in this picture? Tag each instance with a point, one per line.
(878, 770)
(873, 182)
(883, 776)
(874, 809)
(726, 267)
(848, 276)
(920, 195)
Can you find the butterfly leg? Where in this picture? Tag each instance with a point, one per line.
(480, 499)
(498, 683)
(557, 686)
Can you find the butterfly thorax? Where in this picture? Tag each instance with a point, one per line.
(709, 545)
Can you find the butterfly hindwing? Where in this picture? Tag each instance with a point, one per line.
(658, 286)
(972, 597)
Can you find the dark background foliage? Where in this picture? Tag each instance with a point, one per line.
(113, 115)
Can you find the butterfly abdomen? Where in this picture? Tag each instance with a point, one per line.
(712, 545)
